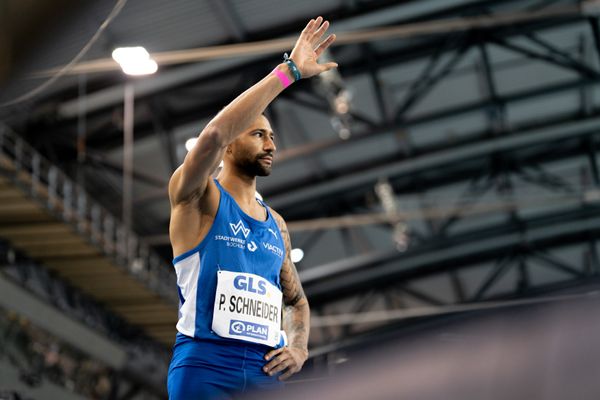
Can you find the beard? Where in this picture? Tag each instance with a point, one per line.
(254, 167)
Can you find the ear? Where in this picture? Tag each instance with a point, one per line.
(229, 149)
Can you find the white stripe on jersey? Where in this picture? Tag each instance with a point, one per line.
(187, 271)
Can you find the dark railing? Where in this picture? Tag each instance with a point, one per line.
(69, 202)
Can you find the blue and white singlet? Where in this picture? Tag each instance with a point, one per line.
(235, 243)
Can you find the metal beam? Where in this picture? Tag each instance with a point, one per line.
(117, 168)
(559, 53)
(546, 179)
(499, 269)
(113, 96)
(321, 106)
(438, 159)
(335, 280)
(596, 34)
(390, 58)
(470, 196)
(496, 112)
(424, 297)
(382, 105)
(573, 290)
(429, 80)
(583, 70)
(557, 264)
(454, 111)
(180, 76)
(457, 287)
(593, 160)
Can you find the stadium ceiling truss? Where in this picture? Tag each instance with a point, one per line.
(491, 162)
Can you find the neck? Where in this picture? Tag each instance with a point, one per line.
(242, 187)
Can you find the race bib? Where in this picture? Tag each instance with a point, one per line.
(247, 307)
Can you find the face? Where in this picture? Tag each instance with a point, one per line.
(252, 152)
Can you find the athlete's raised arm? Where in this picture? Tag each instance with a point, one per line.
(191, 178)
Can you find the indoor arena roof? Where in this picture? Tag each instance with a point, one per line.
(479, 115)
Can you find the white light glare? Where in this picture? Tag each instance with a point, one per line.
(135, 60)
(190, 143)
(297, 255)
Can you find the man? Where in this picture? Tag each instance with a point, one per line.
(233, 253)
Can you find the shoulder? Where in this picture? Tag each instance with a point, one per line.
(174, 179)
(278, 218)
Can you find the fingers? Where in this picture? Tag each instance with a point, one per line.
(307, 27)
(280, 363)
(283, 361)
(319, 32)
(286, 375)
(312, 25)
(279, 367)
(324, 45)
(306, 52)
(277, 364)
(273, 353)
(315, 29)
(328, 66)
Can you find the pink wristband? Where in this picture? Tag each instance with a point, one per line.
(285, 81)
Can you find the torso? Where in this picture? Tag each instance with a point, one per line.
(190, 222)
(235, 243)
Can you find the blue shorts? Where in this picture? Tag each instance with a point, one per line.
(205, 369)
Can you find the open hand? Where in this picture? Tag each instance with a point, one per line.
(307, 49)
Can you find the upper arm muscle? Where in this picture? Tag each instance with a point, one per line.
(293, 294)
(190, 179)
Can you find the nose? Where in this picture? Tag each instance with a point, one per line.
(269, 145)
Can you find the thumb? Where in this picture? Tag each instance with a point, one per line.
(328, 66)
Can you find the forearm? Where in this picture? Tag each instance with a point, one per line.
(296, 324)
(243, 111)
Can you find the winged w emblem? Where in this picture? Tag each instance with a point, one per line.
(236, 228)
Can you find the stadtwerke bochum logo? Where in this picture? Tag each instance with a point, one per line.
(236, 228)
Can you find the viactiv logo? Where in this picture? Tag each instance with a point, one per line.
(248, 329)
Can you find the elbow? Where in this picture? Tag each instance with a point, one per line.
(213, 137)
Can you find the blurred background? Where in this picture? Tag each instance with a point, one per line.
(442, 179)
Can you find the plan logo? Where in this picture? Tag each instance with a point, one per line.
(248, 329)
(237, 327)
(273, 232)
(252, 246)
(236, 228)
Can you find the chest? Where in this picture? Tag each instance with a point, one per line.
(240, 238)
(256, 212)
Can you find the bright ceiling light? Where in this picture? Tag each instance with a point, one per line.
(190, 143)
(297, 255)
(135, 60)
